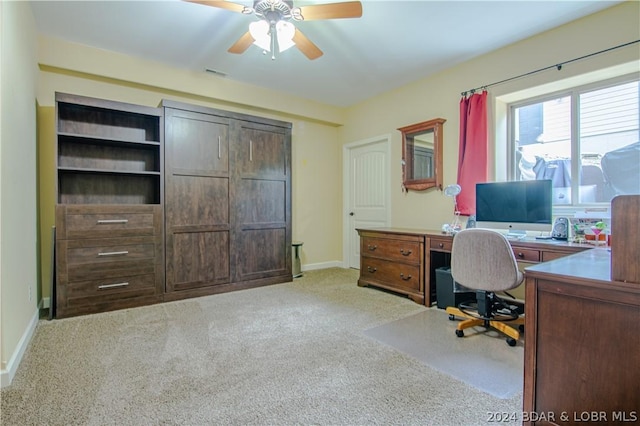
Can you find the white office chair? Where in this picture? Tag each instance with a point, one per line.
(482, 260)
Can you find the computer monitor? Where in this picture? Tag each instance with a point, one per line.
(515, 206)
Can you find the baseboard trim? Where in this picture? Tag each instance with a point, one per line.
(323, 265)
(7, 375)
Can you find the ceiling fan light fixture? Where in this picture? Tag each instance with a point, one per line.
(285, 31)
(273, 32)
(259, 30)
(262, 35)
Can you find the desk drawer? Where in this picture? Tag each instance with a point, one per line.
(441, 245)
(404, 251)
(553, 255)
(526, 255)
(391, 274)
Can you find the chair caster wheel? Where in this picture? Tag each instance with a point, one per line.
(511, 341)
(459, 333)
(451, 317)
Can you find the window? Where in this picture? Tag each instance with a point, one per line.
(589, 132)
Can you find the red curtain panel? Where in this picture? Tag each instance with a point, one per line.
(473, 146)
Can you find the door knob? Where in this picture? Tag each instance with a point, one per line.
(351, 214)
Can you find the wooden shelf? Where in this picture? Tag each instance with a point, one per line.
(82, 138)
(108, 152)
(106, 171)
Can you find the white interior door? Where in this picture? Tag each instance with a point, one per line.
(367, 192)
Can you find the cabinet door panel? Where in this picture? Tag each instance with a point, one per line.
(197, 143)
(262, 151)
(198, 259)
(196, 200)
(261, 201)
(263, 253)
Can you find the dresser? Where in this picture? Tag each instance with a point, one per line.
(393, 259)
(109, 257)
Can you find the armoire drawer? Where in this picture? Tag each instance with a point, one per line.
(108, 250)
(107, 257)
(393, 274)
(109, 289)
(90, 221)
(404, 251)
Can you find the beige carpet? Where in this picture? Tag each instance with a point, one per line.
(291, 353)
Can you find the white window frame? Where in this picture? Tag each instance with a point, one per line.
(505, 148)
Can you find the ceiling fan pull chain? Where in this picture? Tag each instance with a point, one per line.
(272, 32)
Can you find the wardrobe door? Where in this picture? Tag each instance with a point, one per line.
(196, 200)
(261, 196)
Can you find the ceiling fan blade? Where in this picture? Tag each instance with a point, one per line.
(349, 9)
(234, 7)
(242, 44)
(305, 45)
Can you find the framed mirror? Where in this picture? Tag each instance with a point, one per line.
(422, 155)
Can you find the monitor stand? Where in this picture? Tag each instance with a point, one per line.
(516, 234)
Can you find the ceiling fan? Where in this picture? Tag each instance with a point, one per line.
(274, 31)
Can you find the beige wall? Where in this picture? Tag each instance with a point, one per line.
(18, 209)
(439, 96)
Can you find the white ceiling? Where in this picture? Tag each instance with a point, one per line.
(392, 44)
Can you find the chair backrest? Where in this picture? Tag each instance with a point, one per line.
(482, 259)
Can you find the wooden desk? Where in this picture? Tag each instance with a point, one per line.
(405, 260)
(582, 351)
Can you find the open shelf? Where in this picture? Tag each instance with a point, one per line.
(108, 152)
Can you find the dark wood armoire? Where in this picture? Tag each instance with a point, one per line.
(228, 200)
(166, 203)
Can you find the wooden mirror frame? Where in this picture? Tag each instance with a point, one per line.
(435, 181)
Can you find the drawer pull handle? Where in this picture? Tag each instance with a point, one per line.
(440, 245)
(105, 286)
(370, 269)
(372, 248)
(520, 255)
(405, 252)
(113, 253)
(407, 278)
(108, 221)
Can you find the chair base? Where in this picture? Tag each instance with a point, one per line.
(504, 327)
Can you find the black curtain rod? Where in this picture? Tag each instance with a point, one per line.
(557, 66)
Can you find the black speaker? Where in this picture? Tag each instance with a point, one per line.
(471, 222)
(560, 229)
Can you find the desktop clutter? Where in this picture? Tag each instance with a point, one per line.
(507, 205)
(590, 231)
